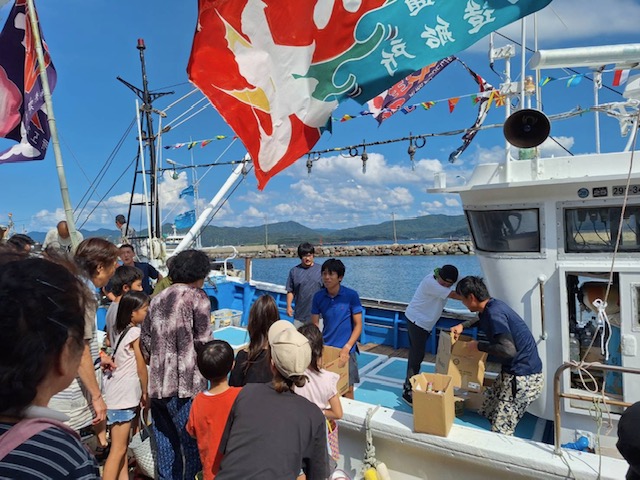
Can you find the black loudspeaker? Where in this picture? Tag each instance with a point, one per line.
(526, 128)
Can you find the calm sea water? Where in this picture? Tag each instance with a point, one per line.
(388, 278)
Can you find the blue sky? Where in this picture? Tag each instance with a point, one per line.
(93, 42)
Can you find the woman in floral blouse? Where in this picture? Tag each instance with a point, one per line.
(178, 322)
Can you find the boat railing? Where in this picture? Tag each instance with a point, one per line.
(227, 259)
(557, 394)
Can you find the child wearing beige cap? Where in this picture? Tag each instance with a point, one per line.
(271, 430)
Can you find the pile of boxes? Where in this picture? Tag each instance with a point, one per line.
(457, 368)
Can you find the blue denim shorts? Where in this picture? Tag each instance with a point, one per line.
(121, 416)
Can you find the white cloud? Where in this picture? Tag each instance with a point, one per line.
(430, 206)
(451, 201)
(378, 172)
(550, 147)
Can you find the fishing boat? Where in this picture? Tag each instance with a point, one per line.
(558, 239)
(567, 230)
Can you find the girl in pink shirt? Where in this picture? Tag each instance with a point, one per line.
(322, 387)
(126, 388)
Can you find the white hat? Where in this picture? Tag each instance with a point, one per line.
(290, 350)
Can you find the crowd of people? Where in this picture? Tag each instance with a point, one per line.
(269, 408)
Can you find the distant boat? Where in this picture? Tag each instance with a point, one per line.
(173, 240)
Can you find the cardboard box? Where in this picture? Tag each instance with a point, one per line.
(458, 403)
(331, 362)
(465, 367)
(433, 412)
(472, 400)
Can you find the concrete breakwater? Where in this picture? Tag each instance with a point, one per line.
(275, 251)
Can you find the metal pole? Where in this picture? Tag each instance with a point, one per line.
(62, 179)
(147, 204)
(507, 113)
(395, 237)
(266, 232)
(597, 80)
(153, 167)
(194, 179)
(523, 62)
(537, 77)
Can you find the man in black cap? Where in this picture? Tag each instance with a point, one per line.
(629, 440)
(422, 314)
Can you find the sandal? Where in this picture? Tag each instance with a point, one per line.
(101, 453)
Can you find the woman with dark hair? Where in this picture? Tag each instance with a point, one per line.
(97, 260)
(252, 363)
(179, 320)
(272, 432)
(21, 242)
(42, 324)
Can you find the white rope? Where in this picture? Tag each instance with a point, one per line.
(603, 322)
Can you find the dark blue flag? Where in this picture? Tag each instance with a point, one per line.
(23, 115)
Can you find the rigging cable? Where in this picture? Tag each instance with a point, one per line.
(572, 70)
(244, 177)
(185, 112)
(214, 164)
(354, 148)
(94, 185)
(107, 193)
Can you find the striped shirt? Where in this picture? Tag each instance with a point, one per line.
(51, 454)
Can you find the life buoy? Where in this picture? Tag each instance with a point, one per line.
(594, 290)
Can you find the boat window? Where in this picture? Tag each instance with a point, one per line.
(595, 229)
(514, 230)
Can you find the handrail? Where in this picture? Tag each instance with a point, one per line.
(541, 280)
(557, 394)
(234, 255)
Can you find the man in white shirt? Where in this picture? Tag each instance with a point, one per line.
(423, 313)
(59, 240)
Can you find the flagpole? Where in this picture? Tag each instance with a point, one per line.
(62, 179)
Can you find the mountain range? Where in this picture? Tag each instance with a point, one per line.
(292, 233)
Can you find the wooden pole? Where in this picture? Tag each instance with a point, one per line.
(62, 179)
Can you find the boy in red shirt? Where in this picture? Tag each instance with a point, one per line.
(210, 409)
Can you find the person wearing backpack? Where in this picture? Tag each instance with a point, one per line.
(42, 320)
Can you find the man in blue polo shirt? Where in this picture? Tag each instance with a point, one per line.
(341, 312)
(510, 340)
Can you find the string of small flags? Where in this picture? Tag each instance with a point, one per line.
(492, 95)
(620, 77)
(194, 143)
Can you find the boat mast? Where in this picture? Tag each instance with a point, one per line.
(62, 179)
(148, 98)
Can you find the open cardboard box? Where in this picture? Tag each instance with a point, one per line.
(331, 362)
(472, 400)
(466, 367)
(433, 412)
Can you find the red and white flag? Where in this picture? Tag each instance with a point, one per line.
(276, 69)
(620, 77)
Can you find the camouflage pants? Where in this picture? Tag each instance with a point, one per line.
(507, 400)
